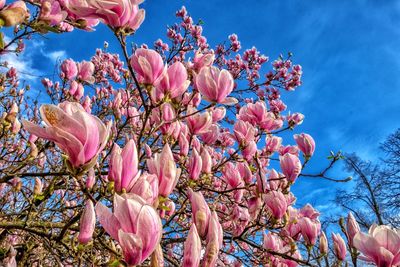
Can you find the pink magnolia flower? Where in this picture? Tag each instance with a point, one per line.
(200, 210)
(148, 64)
(381, 245)
(2, 3)
(134, 224)
(80, 135)
(51, 12)
(258, 114)
(218, 114)
(201, 60)
(231, 175)
(295, 119)
(254, 204)
(206, 161)
(69, 70)
(339, 247)
(309, 212)
(272, 241)
(164, 167)
(305, 143)
(244, 132)
(87, 223)
(198, 123)
(195, 165)
(272, 143)
(215, 85)
(276, 203)
(323, 244)
(192, 248)
(352, 228)
(214, 241)
(291, 166)
(123, 166)
(309, 230)
(146, 186)
(115, 13)
(174, 82)
(85, 71)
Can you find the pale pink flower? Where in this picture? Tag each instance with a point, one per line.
(123, 166)
(51, 12)
(195, 165)
(192, 248)
(134, 224)
(85, 71)
(164, 167)
(291, 166)
(80, 135)
(276, 203)
(87, 223)
(148, 64)
(69, 70)
(215, 85)
(115, 13)
(309, 230)
(198, 123)
(381, 245)
(352, 228)
(305, 143)
(214, 241)
(339, 247)
(200, 210)
(174, 82)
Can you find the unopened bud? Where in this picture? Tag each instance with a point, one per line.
(37, 189)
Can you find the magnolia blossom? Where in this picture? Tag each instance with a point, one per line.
(123, 166)
(116, 13)
(201, 60)
(352, 228)
(381, 245)
(214, 241)
(80, 135)
(51, 12)
(174, 82)
(291, 166)
(305, 143)
(164, 167)
(134, 224)
(148, 64)
(215, 85)
(200, 210)
(192, 248)
(69, 70)
(87, 223)
(339, 247)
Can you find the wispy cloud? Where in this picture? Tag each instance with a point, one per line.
(56, 55)
(24, 63)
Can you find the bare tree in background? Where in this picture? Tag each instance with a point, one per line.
(375, 196)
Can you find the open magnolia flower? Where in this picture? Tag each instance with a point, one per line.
(80, 135)
(116, 13)
(381, 245)
(134, 224)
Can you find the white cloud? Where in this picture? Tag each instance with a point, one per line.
(22, 62)
(25, 61)
(56, 55)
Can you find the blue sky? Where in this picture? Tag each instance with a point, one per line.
(349, 50)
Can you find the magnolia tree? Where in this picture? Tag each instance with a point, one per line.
(167, 156)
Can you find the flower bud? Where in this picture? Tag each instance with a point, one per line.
(87, 223)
